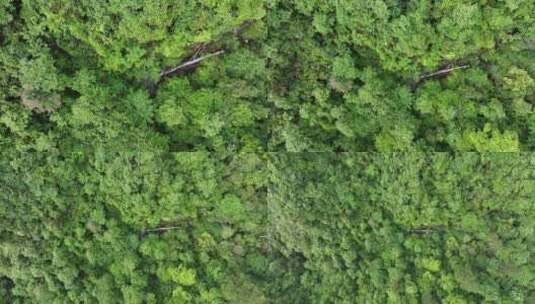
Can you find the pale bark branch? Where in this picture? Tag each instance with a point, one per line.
(427, 230)
(422, 231)
(443, 71)
(190, 63)
(163, 229)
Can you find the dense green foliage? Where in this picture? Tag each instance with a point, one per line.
(189, 151)
(289, 228)
(351, 78)
(86, 229)
(408, 228)
(296, 75)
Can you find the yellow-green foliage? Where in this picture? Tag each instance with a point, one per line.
(267, 151)
(407, 227)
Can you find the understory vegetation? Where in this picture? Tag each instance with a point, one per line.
(267, 151)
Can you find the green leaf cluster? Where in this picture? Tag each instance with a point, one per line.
(267, 151)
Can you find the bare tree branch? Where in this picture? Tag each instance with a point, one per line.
(238, 31)
(194, 60)
(189, 63)
(427, 229)
(422, 231)
(163, 229)
(443, 71)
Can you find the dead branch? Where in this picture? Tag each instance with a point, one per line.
(238, 31)
(427, 229)
(189, 63)
(202, 47)
(163, 229)
(443, 72)
(422, 231)
(181, 224)
(160, 229)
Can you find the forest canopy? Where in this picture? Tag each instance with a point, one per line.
(267, 151)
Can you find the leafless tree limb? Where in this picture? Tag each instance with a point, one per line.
(443, 71)
(427, 229)
(163, 229)
(238, 31)
(194, 60)
(189, 63)
(422, 231)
